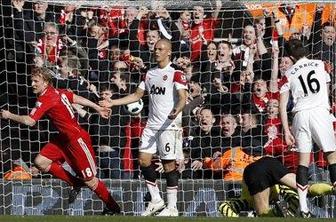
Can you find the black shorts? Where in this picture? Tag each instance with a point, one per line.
(264, 173)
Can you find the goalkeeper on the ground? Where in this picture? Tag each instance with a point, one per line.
(264, 181)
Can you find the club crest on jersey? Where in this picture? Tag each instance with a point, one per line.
(165, 77)
(38, 104)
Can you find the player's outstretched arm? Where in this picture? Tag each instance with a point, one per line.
(182, 94)
(125, 100)
(103, 111)
(23, 119)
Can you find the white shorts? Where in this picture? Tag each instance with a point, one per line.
(314, 125)
(168, 143)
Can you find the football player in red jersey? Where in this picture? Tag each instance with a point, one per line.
(73, 144)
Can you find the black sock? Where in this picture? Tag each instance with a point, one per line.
(172, 178)
(302, 175)
(149, 173)
(332, 172)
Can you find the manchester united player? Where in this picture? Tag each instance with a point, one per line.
(73, 143)
(167, 97)
(307, 81)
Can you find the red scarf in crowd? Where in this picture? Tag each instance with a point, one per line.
(53, 53)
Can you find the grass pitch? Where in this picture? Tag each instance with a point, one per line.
(146, 219)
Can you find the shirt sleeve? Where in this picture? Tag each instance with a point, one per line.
(328, 79)
(180, 80)
(142, 84)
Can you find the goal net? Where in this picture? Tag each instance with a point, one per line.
(233, 55)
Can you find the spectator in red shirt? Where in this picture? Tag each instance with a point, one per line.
(202, 29)
(28, 24)
(261, 94)
(138, 28)
(275, 145)
(51, 47)
(119, 21)
(73, 143)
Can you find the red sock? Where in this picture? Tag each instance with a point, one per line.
(106, 197)
(58, 171)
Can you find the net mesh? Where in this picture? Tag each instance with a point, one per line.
(226, 50)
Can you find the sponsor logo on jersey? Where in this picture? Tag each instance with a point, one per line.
(165, 77)
(156, 90)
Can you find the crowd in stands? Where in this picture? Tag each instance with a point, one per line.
(102, 52)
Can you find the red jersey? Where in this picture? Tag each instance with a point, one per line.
(276, 146)
(56, 104)
(261, 102)
(275, 143)
(205, 30)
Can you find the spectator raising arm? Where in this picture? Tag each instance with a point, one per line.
(217, 9)
(273, 87)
